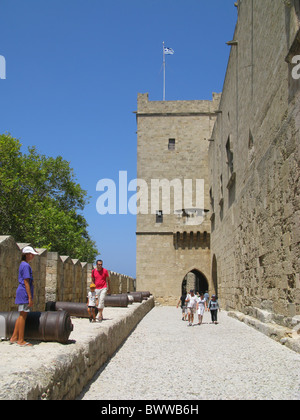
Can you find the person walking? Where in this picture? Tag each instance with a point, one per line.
(206, 297)
(213, 307)
(201, 307)
(100, 278)
(92, 302)
(24, 296)
(191, 301)
(181, 302)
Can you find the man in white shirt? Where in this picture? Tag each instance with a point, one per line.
(191, 301)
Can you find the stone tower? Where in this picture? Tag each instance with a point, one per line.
(173, 223)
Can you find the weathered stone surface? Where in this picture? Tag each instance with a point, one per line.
(255, 232)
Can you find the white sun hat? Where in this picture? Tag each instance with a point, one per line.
(29, 250)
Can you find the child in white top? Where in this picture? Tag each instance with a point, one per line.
(201, 307)
(92, 302)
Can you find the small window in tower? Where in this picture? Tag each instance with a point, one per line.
(171, 145)
(229, 153)
(159, 216)
(250, 141)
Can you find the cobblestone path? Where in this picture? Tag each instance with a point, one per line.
(164, 359)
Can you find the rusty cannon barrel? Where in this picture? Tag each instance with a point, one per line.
(120, 301)
(41, 326)
(137, 296)
(129, 298)
(146, 295)
(140, 296)
(80, 310)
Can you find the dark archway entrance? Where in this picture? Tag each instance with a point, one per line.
(194, 280)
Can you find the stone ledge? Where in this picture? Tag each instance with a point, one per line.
(286, 336)
(53, 371)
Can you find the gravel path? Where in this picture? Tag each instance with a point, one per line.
(164, 359)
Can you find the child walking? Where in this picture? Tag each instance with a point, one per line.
(213, 307)
(201, 308)
(92, 302)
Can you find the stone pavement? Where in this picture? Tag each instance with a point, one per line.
(164, 359)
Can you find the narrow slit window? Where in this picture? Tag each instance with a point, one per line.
(171, 145)
(159, 216)
(229, 153)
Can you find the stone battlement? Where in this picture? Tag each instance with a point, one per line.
(177, 107)
(57, 278)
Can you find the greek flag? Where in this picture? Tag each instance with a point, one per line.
(168, 51)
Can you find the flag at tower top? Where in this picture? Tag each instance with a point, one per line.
(168, 51)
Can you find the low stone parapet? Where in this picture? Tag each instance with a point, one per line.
(288, 336)
(53, 371)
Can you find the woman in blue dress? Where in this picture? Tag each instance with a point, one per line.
(24, 296)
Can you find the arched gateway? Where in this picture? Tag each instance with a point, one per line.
(194, 280)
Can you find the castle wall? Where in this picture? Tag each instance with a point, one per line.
(254, 167)
(56, 278)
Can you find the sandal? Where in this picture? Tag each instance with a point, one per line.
(25, 345)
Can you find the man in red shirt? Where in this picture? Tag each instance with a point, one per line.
(101, 279)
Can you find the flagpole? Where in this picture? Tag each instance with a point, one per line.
(164, 65)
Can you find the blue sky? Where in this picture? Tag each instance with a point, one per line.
(74, 69)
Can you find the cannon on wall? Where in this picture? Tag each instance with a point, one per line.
(139, 296)
(80, 310)
(41, 326)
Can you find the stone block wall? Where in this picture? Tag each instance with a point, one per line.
(254, 167)
(56, 278)
(121, 283)
(10, 258)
